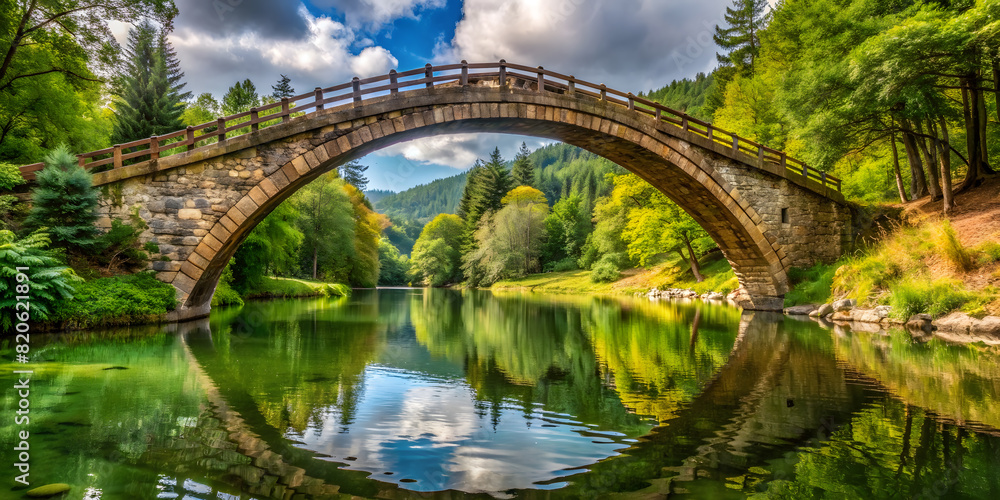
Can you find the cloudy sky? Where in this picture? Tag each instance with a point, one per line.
(632, 45)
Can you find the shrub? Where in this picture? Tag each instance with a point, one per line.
(119, 300)
(935, 298)
(952, 249)
(810, 286)
(224, 293)
(51, 283)
(987, 252)
(604, 271)
(65, 202)
(567, 264)
(119, 247)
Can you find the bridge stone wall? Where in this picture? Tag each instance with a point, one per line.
(201, 204)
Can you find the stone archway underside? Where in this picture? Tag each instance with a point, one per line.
(200, 205)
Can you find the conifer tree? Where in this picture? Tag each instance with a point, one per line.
(523, 173)
(65, 202)
(283, 88)
(175, 75)
(746, 19)
(240, 97)
(147, 103)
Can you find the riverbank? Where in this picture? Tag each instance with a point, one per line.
(274, 288)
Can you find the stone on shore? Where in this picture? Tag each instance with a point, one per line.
(802, 310)
(823, 311)
(844, 305)
(959, 322)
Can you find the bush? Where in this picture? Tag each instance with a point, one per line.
(119, 300)
(285, 287)
(119, 248)
(936, 298)
(987, 252)
(226, 296)
(811, 286)
(51, 283)
(567, 264)
(604, 271)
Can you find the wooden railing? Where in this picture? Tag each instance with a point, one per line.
(225, 128)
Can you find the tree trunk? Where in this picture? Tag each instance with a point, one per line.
(918, 184)
(933, 186)
(895, 167)
(693, 260)
(983, 143)
(996, 82)
(944, 156)
(315, 259)
(970, 106)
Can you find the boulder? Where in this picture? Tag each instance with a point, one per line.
(963, 323)
(844, 305)
(868, 315)
(715, 296)
(822, 312)
(920, 322)
(842, 316)
(803, 310)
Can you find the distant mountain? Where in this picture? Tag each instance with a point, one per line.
(374, 195)
(422, 203)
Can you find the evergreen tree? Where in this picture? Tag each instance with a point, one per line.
(523, 173)
(240, 97)
(65, 202)
(746, 19)
(353, 173)
(283, 88)
(146, 103)
(175, 75)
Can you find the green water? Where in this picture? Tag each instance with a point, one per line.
(436, 393)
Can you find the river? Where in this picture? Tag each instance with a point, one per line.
(467, 394)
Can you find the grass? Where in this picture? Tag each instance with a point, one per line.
(290, 287)
(118, 300)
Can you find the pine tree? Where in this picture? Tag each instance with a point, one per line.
(146, 103)
(65, 202)
(175, 75)
(523, 173)
(353, 173)
(283, 88)
(746, 19)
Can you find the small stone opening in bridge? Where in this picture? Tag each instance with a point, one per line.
(784, 216)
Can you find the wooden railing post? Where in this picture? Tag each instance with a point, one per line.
(319, 99)
(659, 115)
(393, 82)
(356, 85)
(736, 144)
(631, 101)
(604, 92)
(117, 156)
(685, 124)
(429, 73)
(503, 73)
(541, 80)
(760, 153)
(784, 161)
(81, 160)
(805, 171)
(154, 147)
(285, 110)
(822, 177)
(254, 115)
(572, 85)
(710, 131)
(189, 138)
(465, 72)
(221, 123)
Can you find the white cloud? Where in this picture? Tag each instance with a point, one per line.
(632, 45)
(322, 56)
(460, 150)
(375, 13)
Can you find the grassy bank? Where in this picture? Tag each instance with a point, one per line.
(115, 301)
(272, 287)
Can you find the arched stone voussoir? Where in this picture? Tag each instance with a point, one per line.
(744, 207)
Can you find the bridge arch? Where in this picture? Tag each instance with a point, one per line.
(201, 204)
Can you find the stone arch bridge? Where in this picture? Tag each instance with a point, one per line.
(201, 190)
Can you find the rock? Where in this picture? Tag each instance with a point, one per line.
(823, 311)
(715, 296)
(868, 315)
(48, 490)
(844, 305)
(963, 323)
(842, 316)
(920, 322)
(803, 310)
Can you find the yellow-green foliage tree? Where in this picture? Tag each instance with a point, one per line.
(509, 242)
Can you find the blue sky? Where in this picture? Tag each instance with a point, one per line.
(632, 45)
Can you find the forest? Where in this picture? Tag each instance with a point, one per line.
(900, 99)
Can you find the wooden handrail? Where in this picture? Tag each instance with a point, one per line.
(427, 77)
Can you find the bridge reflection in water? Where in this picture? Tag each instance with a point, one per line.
(442, 389)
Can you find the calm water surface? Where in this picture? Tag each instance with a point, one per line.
(436, 393)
